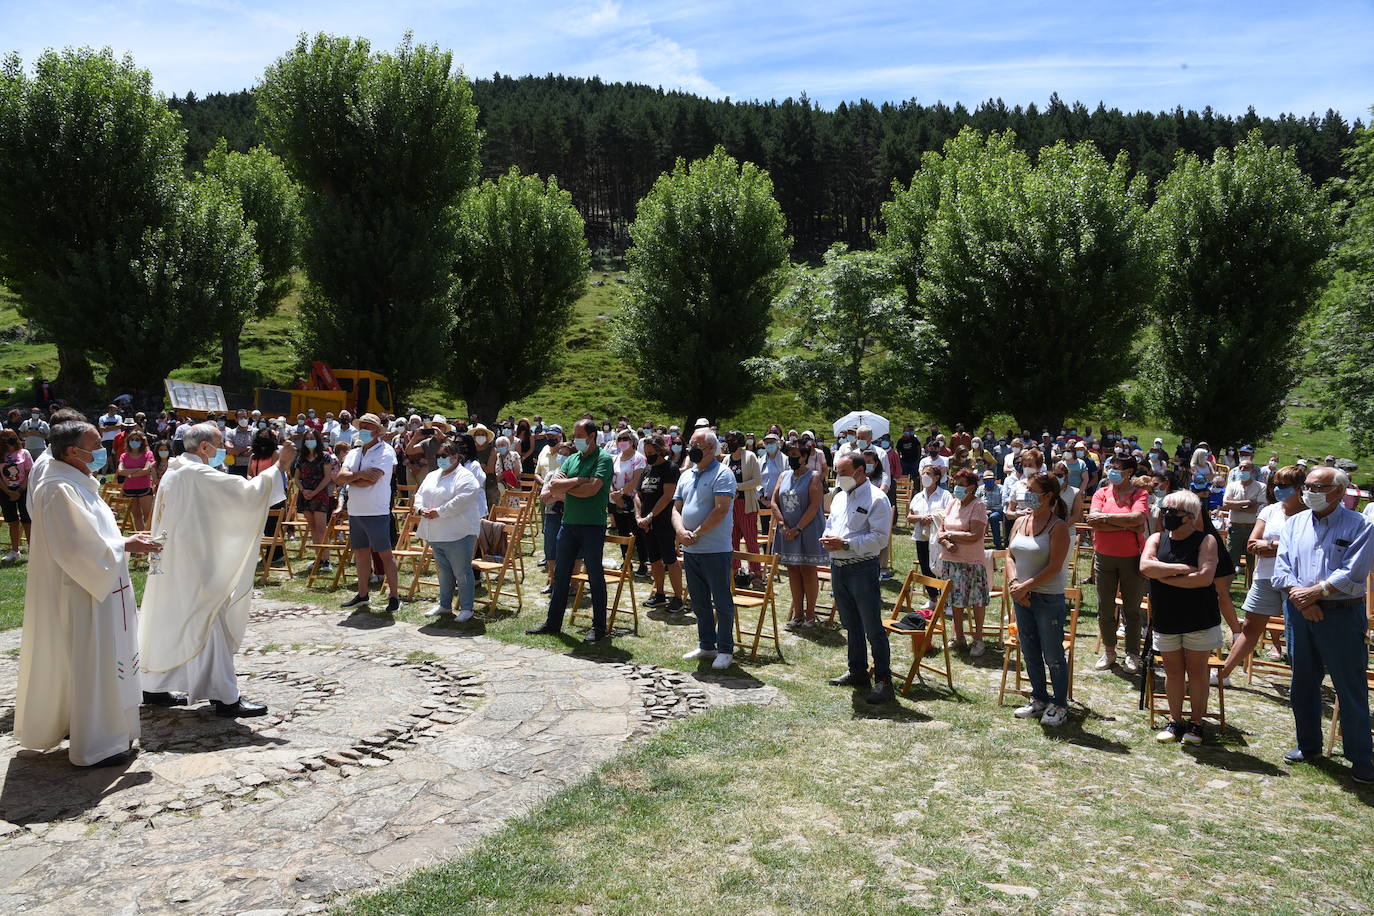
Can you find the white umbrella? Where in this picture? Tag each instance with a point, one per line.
(857, 418)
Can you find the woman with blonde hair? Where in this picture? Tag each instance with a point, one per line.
(1181, 564)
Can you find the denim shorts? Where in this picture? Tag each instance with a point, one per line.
(369, 532)
(1196, 641)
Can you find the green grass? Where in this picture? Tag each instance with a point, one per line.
(825, 805)
(13, 579)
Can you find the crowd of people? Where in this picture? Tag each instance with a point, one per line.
(1174, 527)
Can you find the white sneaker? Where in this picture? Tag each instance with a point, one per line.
(464, 616)
(979, 647)
(1032, 710)
(1107, 661)
(723, 661)
(1054, 715)
(438, 611)
(1212, 680)
(699, 653)
(1132, 664)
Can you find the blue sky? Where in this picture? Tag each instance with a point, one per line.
(1299, 55)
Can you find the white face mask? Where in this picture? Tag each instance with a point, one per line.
(927, 481)
(1315, 501)
(846, 483)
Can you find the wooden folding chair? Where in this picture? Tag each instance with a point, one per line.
(1335, 733)
(1011, 654)
(274, 545)
(748, 599)
(335, 545)
(1158, 703)
(499, 571)
(405, 496)
(1258, 662)
(922, 640)
(1082, 547)
(998, 596)
(293, 522)
(623, 577)
(824, 584)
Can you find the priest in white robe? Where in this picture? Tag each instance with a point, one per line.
(78, 664)
(194, 613)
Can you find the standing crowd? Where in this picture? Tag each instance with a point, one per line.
(1168, 532)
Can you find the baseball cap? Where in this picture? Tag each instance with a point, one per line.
(1201, 482)
(770, 435)
(554, 428)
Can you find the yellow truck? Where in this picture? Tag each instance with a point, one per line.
(328, 391)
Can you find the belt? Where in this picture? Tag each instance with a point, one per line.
(1327, 604)
(852, 561)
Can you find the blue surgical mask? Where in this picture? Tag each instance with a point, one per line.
(677, 448)
(1115, 476)
(561, 459)
(581, 444)
(501, 449)
(217, 460)
(771, 448)
(989, 484)
(364, 436)
(97, 462)
(447, 461)
(1245, 476)
(960, 492)
(1032, 500)
(1281, 494)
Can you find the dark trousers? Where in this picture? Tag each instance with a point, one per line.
(859, 604)
(1333, 645)
(923, 560)
(585, 543)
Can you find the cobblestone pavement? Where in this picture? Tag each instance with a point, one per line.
(388, 747)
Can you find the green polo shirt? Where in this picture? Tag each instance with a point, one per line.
(589, 510)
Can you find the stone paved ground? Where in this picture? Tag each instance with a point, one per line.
(389, 747)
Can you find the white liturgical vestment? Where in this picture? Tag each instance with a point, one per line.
(78, 665)
(195, 612)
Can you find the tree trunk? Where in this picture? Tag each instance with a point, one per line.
(230, 368)
(485, 400)
(75, 381)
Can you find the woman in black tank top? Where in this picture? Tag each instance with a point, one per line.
(1181, 566)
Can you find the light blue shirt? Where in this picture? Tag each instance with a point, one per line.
(771, 467)
(695, 498)
(1338, 548)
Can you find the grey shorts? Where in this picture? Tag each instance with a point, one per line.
(1196, 641)
(369, 532)
(1263, 599)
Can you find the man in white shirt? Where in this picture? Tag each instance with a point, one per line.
(933, 458)
(347, 432)
(367, 473)
(330, 429)
(1244, 498)
(35, 431)
(857, 529)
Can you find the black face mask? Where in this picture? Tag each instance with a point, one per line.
(651, 457)
(794, 461)
(1173, 520)
(695, 454)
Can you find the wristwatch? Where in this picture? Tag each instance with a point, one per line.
(1326, 588)
(845, 542)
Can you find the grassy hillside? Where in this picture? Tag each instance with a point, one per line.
(588, 378)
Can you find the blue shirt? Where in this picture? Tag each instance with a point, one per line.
(772, 467)
(1338, 548)
(695, 498)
